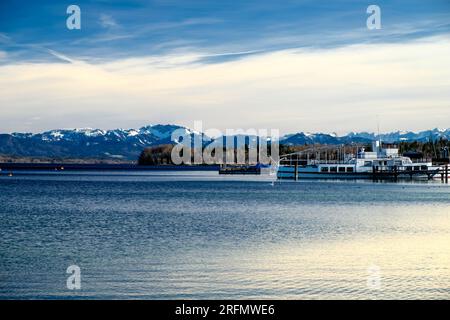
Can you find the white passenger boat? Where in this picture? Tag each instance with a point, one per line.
(381, 163)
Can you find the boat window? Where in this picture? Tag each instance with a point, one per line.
(349, 169)
(333, 169)
(416, 168)
(424, 168)
(341, 169)
(324, 169)
(367, 163)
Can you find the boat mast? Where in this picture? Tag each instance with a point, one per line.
(379, 136)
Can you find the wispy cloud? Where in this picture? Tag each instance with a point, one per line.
(107, 21)
(4, 38)
(226, 56)
(61, 56)
(176, 24)
(29, 51)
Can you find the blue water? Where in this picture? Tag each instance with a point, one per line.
(169, 235)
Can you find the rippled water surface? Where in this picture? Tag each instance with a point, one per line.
(165, 235)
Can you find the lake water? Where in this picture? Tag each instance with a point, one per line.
(197, 235)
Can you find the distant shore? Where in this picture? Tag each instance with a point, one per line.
(9, 166)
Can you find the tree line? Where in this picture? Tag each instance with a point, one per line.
(161, 154)
(430, 149)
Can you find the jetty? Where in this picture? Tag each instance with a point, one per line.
(240, 169)
(411, 172)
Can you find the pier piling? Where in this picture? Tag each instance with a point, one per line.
(296, 171)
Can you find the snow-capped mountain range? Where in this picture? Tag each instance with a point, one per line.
(364, 137)
(124, 144)
(128, 143)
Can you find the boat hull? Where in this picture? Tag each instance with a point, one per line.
(319, 175)
(288, 173)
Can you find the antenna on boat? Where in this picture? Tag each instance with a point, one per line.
(378, 125)
(379, 136)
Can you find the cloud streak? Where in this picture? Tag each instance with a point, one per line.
(107, 21)
(61, 56)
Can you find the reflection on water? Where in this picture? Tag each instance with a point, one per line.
(200, 235)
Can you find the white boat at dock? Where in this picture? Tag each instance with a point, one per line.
(380, 163)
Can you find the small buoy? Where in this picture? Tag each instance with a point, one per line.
(10, 175)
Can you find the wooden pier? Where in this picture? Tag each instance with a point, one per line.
(444, 174)
(396, 172)
(239, 169)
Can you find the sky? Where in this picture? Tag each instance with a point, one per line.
(292, 65)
